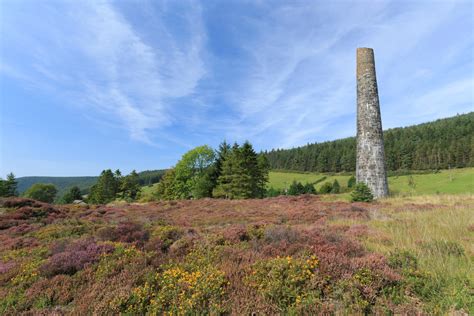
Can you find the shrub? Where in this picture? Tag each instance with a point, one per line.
(168, 234)
(58, 290)
(351, 182)
(275, 234)
(16, 202)
(128, 232)
(272, 192)
(326, 188)
(361, 193)
(123, 255)
(402, 260)
(309, 188)
(236, 233)
(368, 286)
(283, 281)
(181, 292)
(336, 188)
(75, 257)
(56, 231)
(296, 188)
(42, 192)
(255, 231)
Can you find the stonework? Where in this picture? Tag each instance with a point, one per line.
(370, 165)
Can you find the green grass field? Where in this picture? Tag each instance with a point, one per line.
(446, 181)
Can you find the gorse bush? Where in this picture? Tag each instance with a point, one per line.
(283, 281)
(167, 234)
(361, 193)
(177, 291)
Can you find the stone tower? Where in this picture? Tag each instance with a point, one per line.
(370, 165)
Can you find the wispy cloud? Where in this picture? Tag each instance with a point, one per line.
(96, 57)
(279, 74)
(300, 78)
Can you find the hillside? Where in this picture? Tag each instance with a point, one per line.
(442, 144)
(61, 183)
(285, 255)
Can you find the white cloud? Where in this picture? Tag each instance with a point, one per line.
(301, 80)
(96, 57)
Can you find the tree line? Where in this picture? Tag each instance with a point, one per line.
(231, 172)
(442, 144)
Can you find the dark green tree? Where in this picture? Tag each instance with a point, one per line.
(70, 196)
(296, 188)
(433, 145)
(309, 188)
(106, 188)
(272, 192)
(243, 174)
(326, 188)
(8, 187)
(41, 192)
(129, 186)
(361, 193)
(336, 188)
(216, 169)
(166, 189)
(351, 182)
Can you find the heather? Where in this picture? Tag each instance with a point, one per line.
(281, 255)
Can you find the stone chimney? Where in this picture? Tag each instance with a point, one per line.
(370, 165)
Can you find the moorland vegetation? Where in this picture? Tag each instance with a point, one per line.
(282, 255)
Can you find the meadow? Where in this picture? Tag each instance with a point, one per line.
(442, 182)
(452, 181)
(282, 255)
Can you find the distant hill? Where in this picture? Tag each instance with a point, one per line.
(441, 144)
(61, 183)
(84, 183)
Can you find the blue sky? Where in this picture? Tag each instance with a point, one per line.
(90, 85)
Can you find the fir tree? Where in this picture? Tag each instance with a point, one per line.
(106, 188)
(361, 193)
(8, 187)
(351, 182)
(336, 188)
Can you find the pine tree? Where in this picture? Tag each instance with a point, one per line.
(351, 182)
(130, 186)
(8, 187)
(243, 174)
(309, 189)
(325, 188)
(361, 193)
(106, 188)
(336, 188)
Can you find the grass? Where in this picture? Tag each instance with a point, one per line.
(446, 181)
(439, 231)
(452, 181)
